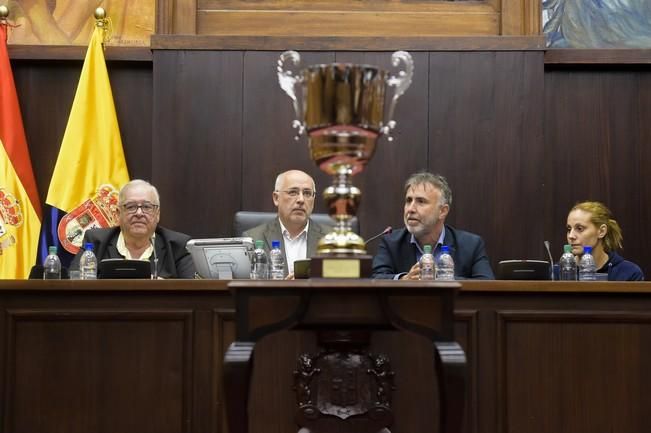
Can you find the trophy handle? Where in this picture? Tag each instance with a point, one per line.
(401, 82)
(288, 82)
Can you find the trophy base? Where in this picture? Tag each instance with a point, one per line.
(343, 242)
(341, 266)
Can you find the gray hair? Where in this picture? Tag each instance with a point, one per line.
(139, 183)
(279, 179)
(436, 180)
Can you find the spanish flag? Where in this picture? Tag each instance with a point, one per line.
(91, 167)
(20, 209)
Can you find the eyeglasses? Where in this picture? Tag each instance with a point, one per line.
(294, 192)
(147, 208)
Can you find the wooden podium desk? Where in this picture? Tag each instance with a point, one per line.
(147, 356)
(556, 357)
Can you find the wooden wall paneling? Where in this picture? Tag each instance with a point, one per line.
(176, 17)
(196, 155)
(131, 83)
(637, 239)
(521, 17)
(223, 334)
(346, 43)
(268, 145)
(6, 381)
(344, 18)
(46, 90)
(486, 138)
(67, 367)
(550, 351)
(598, 148)
(415, 405)
(466, 333)
(272, 401)
(382, 181)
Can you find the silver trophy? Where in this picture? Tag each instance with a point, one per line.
(341, 107)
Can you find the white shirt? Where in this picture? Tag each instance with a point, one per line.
(124, 251)
(296, 248)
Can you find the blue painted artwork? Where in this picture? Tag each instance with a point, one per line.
(597, 23)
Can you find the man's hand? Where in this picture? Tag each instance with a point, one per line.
(413, 274)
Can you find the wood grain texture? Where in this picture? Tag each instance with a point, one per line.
(268, 144)
(368, 24)
(46, 90)
(197, 134)
(520, 141)
(349, 43)
(603, 56)
(343, 5)
(544, 357)
(494, 166)
(597, 146)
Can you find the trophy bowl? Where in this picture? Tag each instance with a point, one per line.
(341, 108)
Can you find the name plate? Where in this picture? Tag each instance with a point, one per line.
(341, 268)
(324, 266)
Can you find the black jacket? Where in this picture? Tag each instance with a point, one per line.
(174, 261)
(397, 255)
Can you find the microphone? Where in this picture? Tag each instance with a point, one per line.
(154, 274)
(551, 259)
(386, 231)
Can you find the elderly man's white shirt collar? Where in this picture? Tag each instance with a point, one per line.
(124, 251)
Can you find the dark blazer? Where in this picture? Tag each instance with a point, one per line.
(271, 232)
(397, 255)
(174, 261)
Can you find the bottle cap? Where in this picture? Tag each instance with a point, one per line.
(427, 249)
(445, 249)
(88, 246)
(275, 244)
(587, 250)
(52, 249)
(259, 244)
(567, 249)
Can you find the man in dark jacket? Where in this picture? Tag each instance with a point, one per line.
(139, 237)
(427, 203)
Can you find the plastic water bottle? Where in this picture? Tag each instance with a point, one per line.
(427, 265)
(445, 265)
(259, 264)
(52, 265)
(88, 263)
(567, 265)
(277, 261)
(587, 266)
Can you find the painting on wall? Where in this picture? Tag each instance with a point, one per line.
(70, 22)
(597, 23)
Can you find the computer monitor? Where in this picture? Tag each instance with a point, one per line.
(222, 258)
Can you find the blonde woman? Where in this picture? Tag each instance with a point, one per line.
(591, 223)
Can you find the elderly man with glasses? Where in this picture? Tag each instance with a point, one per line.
(293, 195)
(139, 237)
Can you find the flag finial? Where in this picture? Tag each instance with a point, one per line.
(100, 17)
(4, 13)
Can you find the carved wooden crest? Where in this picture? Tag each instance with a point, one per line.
(347, 386)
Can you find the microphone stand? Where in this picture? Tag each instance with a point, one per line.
(551, 260)
(383, 232)
(154, 274)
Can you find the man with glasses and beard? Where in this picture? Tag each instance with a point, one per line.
(293, 195)
(139, 233)
(427, 203)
